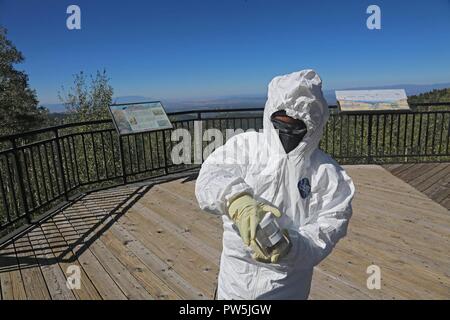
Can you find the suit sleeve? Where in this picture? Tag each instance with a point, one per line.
(330, 210)
(222, 176)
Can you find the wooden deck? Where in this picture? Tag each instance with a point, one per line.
(152, 242)
(432, 179)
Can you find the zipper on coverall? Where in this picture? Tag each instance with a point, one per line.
(258, 267)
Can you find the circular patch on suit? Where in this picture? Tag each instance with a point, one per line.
(304, 187)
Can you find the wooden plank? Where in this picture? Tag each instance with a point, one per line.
(187, 199)
(427, 270)
(124, 279)
(397, 243)
(399, 280)
(189, 241)
(391, 167)
(399, 214)
(170, 246)
(184, 216)
(430, 178)
(418, 217)
(12, 286)
(327, 286)
(185, 190)
(441, 180)
(408, 171)
(395, 190)
(349, 265)
(112, 193)
(438, 192)
(188, 256)
(392, 285)
(408, 280)
(425, 167)
(441, 191)
(152, 283)
(397, 236)
(103, 282)
(54, 277)
(422, 181)
(403, 168)
(413, 172)
(435, 270)
(429, 166)
(162, 269)
(121, 276)
(384, 180)
(404, 197)
(435, 178)
(446, 203)
(417, 209)
(115, 242)
(66, 258)
(34, 282)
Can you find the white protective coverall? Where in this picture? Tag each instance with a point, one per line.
(256, 163)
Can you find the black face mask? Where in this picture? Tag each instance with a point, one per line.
(290, 133)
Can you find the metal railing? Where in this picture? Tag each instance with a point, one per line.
(43, 170)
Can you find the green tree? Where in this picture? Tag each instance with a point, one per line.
(19, 109)
(436, 95)
(88, 101)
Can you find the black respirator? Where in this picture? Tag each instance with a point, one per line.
(290, 133)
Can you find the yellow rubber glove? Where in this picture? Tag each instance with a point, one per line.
(275, 255)
(247, 213)
(257, 254)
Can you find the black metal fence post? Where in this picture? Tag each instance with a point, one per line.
(122, 160)
(369, 140)
(60, 165)
(199, 118)
(21, 181)
(165, 152)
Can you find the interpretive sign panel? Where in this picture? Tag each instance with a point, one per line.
(139, 117)
(372, 100)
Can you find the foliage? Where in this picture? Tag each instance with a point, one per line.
(442, 95)
(87, 101)
(19, 109)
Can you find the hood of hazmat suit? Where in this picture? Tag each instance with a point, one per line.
(311, 190)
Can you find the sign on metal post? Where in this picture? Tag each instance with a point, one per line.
(135, 118)
(139, 117)
(372, 100)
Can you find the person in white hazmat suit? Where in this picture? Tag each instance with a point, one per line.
(273, 171)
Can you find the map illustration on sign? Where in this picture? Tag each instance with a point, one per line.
(372, 100)
(139, 117)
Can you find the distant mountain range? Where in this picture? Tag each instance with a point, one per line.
(251, 101)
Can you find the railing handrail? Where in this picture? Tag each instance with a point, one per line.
(107, 121)
(53, 128)
(14, 136)
(429, 104)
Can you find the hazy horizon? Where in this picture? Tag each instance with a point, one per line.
(247, 100)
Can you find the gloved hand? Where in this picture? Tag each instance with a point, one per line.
(275, 255)
(247, 213)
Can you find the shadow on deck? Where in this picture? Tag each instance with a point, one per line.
(150, 241)
(432, 179)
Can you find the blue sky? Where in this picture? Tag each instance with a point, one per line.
(185, 49)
